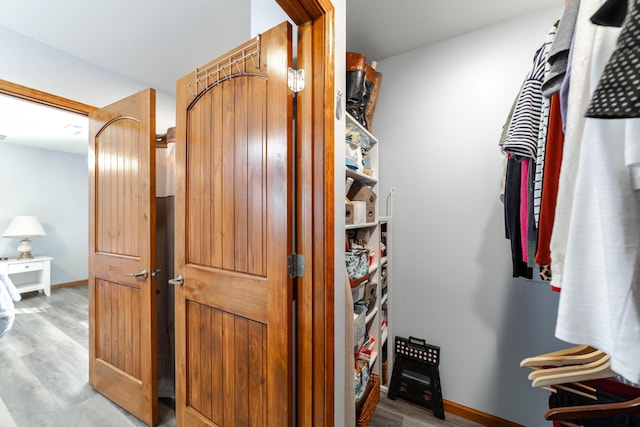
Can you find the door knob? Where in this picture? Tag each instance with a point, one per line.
(178, 281)
(142, 273)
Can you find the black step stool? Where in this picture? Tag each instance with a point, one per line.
(415, 374)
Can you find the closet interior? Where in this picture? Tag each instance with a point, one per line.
(571, 210)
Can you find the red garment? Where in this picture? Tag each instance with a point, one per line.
(552, 162)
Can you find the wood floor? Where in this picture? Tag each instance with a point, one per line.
(45, 368)
(400, 413)
(44, 374)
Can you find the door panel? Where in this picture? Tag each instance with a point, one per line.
(122, 326)
(233, 236)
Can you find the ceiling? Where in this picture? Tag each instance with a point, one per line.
(158, 41)
(36, 125)
(383, 28)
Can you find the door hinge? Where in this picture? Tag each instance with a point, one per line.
(295, 80)
(295, 265)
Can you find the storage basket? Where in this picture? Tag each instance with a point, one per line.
(364, 413)
(357, 263)
(359, 212)
(359, 324)
(358, 292)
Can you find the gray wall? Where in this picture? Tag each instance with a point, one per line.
(36, 65)
(438, 118)
(53, 186)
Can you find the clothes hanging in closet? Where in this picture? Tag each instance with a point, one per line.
(559, 53)
(600, 299)
(577, 101)
(524, 139)
(543, 131)
(617, 94)
(552, 164)
(594, 244)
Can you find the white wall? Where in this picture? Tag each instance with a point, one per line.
(266, 14)
(38, 66)
(53, 186)
(439, 116)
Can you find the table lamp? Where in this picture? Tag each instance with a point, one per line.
(25, 227)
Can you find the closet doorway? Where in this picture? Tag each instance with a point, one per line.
(314, 208)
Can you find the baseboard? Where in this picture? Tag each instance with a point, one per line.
(69, 284)
(477, 416)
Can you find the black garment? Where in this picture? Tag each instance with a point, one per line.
(532, 230)
(512, 218)
(607, 391)
(611, 13)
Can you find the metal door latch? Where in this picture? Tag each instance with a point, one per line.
(178, 281)
(142, 273)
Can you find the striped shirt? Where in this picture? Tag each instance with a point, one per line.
(522, 137)
(542, 135)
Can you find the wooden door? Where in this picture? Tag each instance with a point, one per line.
(233, 236)
(122, 314)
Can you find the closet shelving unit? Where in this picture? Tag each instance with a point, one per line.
(370, 234)
(385, 289)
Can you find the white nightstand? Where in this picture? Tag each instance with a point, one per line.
(29, 274)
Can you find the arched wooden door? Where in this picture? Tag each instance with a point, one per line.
(233, 235)
(122, 313)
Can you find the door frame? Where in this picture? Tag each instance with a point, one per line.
(315, 211)
(44, 98)
(315, 208)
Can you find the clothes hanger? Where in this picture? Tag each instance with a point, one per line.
(594, 370)
(571, 390)
(630, 407)
(590, 360)
(571, 373)
(560, 357)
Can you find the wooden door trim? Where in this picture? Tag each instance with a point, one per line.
(315, 211)
(44, 98)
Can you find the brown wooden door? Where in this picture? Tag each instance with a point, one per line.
(233, 235)
(122, 313)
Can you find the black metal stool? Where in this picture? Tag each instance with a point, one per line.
(415, 374)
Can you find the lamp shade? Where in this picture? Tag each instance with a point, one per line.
(24, 226)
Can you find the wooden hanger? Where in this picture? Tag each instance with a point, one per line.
(630, 407)
(590, 360)
(575, 373)
(560, 357)
(568, 424)
(557, 387)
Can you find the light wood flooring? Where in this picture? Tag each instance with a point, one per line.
(44, 374)
(45, 368)
(400, 413)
